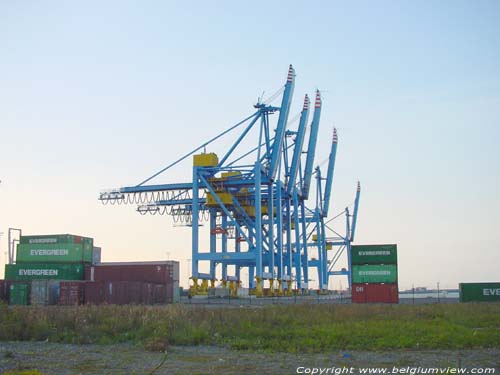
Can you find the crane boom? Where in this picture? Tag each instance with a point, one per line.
(299, 142)
(355, 213)
(329, 177)
(281, 126)
(312, 146)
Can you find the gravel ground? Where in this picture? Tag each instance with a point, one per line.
(63, 359)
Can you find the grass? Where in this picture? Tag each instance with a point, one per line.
(293, 328)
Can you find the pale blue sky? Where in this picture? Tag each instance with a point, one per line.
(96, 95)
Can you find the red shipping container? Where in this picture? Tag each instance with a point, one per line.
(375, 293)
(94, 293)
(146, 272)
(127, 292)
(170, 293)
(160, 294)
(134, 292)
(71, 293)
(123, 292)
(147, 293)
(114, 293)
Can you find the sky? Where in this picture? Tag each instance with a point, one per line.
(98, 95)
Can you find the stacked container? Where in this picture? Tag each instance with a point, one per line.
(41, 258)
(44, 271)
(57, 248)
(132, 283)
(374, 274)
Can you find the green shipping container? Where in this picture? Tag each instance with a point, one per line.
(375, 274)
(19, 294)
(88, 247)
(480, 292)
(53, 253)
(51, 239)
(374, 254)
(45, 271)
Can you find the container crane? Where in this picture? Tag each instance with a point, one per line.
(256, 210)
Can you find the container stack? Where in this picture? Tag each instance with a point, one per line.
(66, 269)
(42, 261)
(374, 273)
(123, 283)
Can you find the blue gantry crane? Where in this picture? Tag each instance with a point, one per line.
(256, 204)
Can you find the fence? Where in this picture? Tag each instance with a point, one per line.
(408, 297)
(275, 300)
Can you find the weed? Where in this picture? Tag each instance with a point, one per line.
(297, 328)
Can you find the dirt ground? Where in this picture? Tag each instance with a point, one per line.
(63, 359)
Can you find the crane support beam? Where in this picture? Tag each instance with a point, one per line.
(227, 257)
(198, 148)
(240, 138)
